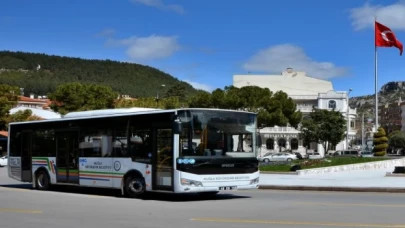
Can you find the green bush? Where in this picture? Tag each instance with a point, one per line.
(380, 142)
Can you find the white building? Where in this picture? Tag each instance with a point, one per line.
(306, 92)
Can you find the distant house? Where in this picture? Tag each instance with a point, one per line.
(41, 102)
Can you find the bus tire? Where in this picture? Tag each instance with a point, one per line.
(42, 180)
(135, 186)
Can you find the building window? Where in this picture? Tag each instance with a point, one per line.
(332, 104)
(294, 144)
(352, 124)
(270, 144)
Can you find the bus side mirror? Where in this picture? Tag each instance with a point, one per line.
(177, 127)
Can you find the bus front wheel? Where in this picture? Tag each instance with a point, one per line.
(42, 180)
(135, 186)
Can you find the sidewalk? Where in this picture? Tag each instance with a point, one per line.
(359, 180)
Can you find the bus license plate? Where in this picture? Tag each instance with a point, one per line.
(227, 188)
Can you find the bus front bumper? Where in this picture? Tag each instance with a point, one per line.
(212, 183)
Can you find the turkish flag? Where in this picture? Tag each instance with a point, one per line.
(384, 37)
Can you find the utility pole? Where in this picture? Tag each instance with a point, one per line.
(348, 119)
(362, 131)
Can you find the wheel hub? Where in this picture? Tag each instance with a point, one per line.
(135, 186)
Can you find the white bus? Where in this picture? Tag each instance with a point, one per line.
(138, 150)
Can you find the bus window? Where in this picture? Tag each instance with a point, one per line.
(96, 143)
(43, 143)
(15, 143)
(140, 145)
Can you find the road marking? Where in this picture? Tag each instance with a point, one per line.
(296, 223)
(20, 211)
(353, 204)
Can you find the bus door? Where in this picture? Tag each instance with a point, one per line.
(67, 155)
(26, 159)
(162, 159)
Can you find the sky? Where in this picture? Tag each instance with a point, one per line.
(206, 42)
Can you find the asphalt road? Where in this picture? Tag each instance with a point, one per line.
(22, 207)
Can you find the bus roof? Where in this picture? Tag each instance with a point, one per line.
(119, 112)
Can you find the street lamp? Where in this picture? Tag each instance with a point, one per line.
(157, 94)
(348, 120)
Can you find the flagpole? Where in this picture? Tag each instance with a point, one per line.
(375, 78)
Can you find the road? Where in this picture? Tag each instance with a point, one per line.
(91, 208)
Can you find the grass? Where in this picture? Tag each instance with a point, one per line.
(318, 163)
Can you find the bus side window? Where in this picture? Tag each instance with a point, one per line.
(140, 145)
(15, 145)
(95, 143)
(120, 144)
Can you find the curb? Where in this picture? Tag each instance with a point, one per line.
(331, 189)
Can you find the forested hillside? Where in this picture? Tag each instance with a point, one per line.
(21, 69)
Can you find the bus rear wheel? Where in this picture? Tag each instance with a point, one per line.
(135, 186)
(42, 180)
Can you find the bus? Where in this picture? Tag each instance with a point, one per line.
(136, 150)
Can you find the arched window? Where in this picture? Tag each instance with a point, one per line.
(332, 104)
(270, 144)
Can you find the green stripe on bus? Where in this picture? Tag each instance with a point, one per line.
(96, 172)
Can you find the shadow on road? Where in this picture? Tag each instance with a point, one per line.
(158, 196)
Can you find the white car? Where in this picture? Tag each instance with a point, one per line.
(366, 154)
(278, 157)
(3, 161)
(315, 155)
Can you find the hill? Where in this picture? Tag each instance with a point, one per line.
(20, 69)
(389, 93)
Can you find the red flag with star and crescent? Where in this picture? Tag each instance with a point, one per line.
(384, 37)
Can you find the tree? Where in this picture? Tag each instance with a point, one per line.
(8, 98)
(20, 116)
(177, 90)
(397, 140)
(326, 127)
(131, 79)
(394, 133)
(380, 142)
(149, 102)
(75, 96)
(272, 109)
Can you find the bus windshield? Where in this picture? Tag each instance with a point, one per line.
(212, 133)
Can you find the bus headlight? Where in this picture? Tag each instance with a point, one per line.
(190, 182)
(254, 181)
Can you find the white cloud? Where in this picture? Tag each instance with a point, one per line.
(277, 58)
(198, 85)
(392, 16)
(160, 5)
(147, 48)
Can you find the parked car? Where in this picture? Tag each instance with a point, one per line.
(347, 153)
(367, 154)
(278, 157)
(315, 155)
(3, 161)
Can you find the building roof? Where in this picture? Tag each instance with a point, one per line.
(44, 114)
(294, 83)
